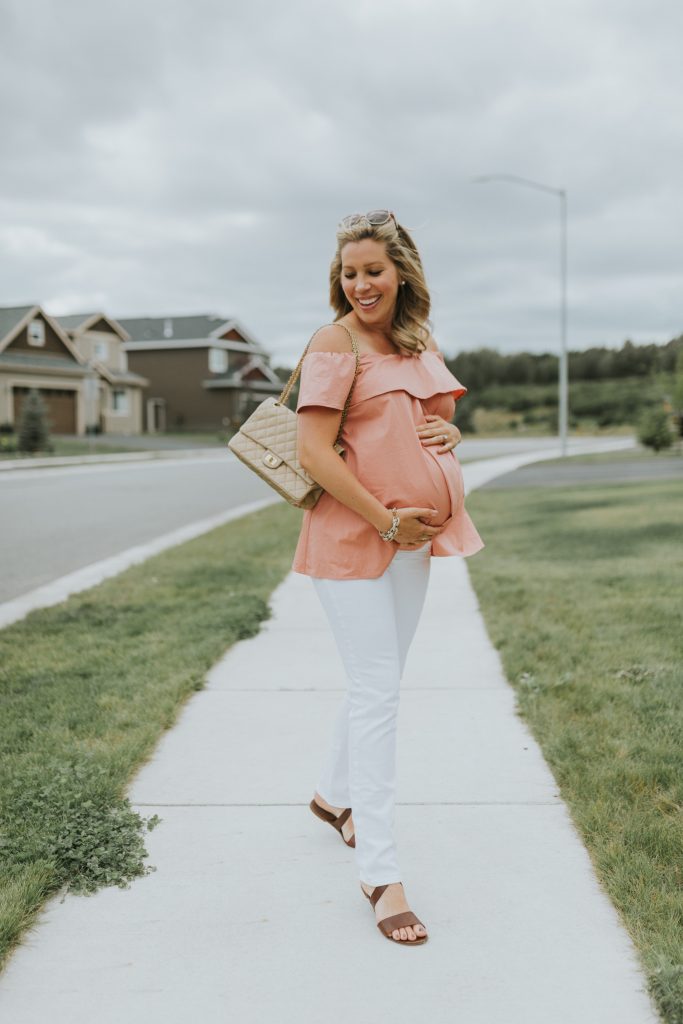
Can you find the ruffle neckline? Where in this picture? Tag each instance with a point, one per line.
(327, 376)
(379, 355)
(425, 379)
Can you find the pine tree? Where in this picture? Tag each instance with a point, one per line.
(654, 429)
(33, 429)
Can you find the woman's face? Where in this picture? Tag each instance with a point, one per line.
(370, 281)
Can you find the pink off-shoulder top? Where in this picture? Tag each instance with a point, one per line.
(392, 395)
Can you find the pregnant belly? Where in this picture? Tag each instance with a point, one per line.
(439, 496)
(442, 488)
(448, 486)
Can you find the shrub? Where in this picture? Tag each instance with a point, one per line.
(654, 429)
(33, 428)
(464, 415)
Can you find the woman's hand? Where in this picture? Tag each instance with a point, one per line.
(414, 526)
(436, 430)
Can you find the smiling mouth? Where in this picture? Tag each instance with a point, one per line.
(369, 303)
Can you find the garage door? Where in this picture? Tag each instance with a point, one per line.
(60, 404)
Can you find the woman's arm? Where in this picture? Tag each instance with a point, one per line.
(317, 429)
(316, 434)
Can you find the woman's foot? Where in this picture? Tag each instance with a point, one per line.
(347, 827)
(393, 901)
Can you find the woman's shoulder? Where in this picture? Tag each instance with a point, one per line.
(331, 338)
(336, 338)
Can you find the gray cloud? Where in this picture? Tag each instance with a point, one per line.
(195, 157)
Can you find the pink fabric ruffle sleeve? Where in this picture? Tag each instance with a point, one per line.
(326, 379)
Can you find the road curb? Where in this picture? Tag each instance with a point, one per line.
(89, 576)
(85, 460)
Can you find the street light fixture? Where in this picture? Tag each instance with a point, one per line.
(563, 375)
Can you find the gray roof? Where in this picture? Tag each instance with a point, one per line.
(10, 317)
(122, 376)
(74, 320)
(45, 362)
(151, 328)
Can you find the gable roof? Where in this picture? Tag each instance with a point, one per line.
(79, 323)
(13, 319)
(269, 381)
(121, 377)
(256, 363)
(74, 320)
(173, 328)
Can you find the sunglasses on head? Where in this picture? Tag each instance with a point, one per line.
(375, 218)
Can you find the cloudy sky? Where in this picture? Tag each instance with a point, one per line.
(191, 157)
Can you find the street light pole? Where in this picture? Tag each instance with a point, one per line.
(563, 371)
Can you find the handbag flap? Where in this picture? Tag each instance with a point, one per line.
(273, 426)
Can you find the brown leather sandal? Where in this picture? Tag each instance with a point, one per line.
(320, 812)
(389, 924)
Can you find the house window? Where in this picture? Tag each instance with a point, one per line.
(119, 400)
(36, 332)
(101, 350)
(218, 360)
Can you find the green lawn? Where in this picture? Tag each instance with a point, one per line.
(88, 687)
(581, 591)
(638, 453)
(100, 444)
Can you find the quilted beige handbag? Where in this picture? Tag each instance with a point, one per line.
(266, 442)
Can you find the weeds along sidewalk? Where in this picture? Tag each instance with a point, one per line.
(252, 895)
(89, 686)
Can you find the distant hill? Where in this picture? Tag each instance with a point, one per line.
(483, 367)
(607, 387)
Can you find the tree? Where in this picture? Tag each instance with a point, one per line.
(464, 415)
(654, 429)
(33, 429)
(677, 399)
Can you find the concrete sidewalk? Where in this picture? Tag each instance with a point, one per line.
(255, 911)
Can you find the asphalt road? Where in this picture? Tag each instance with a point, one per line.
(56, 520)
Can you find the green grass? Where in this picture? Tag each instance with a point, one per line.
(88, 687)
(581, 593)
(638, 454)
(101, 444)
(63, 446)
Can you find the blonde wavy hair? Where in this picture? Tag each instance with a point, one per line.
(410, 326)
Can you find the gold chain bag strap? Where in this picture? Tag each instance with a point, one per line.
(266, 442)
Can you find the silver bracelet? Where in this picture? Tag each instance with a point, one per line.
(395, 523)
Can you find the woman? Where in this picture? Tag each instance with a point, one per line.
(391, 503)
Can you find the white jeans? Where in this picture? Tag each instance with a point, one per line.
(373, 622)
